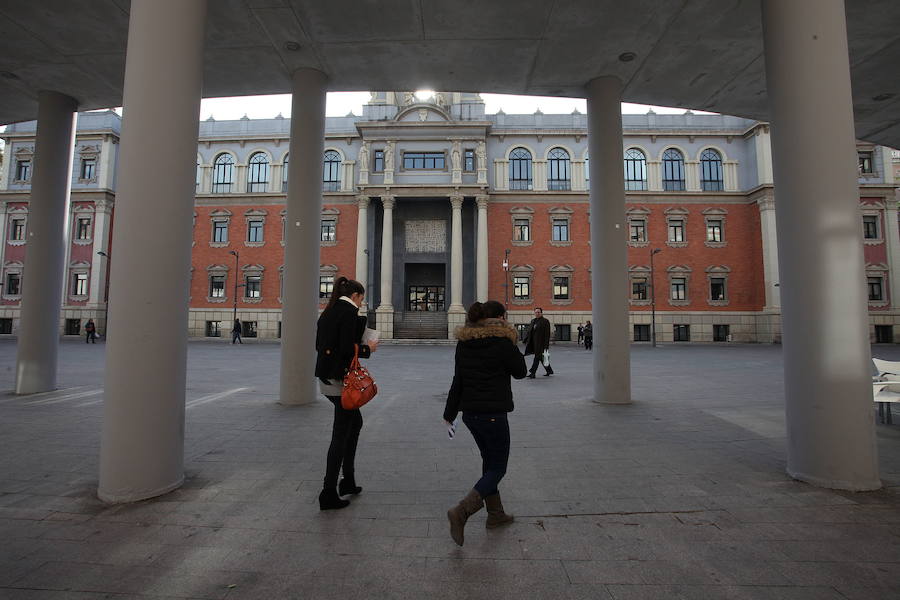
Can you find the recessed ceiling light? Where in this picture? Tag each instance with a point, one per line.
(424, 94)
(291, 46)
(627, 56)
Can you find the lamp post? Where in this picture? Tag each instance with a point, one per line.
(106, 290)
(236, 286)
(653, 299)
(506, 277)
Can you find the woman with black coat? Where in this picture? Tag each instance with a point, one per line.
(339, 330)
(486, 357)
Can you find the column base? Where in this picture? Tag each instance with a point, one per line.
(121, 497)
(832, 484)
(456, 317)
(384, 318)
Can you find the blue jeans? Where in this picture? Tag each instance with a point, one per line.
(491, 433)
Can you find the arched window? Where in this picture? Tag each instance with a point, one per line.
(284, 172)
(673, 170)
(635, 170)
(559, 170)
(711, 171)
(331, 174)
(223, 174)
(258, 178)
(520, 169)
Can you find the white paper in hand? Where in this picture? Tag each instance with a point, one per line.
(369, 335)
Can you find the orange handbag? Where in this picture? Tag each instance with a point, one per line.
(359, 387)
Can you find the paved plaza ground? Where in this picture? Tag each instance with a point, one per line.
(682, 494)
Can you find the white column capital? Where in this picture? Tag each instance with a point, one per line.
(362, 201)
(388, 202)
(456, 202)
(482, 202)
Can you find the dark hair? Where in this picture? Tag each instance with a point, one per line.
(344, 287)
(487, 310)
(539, 308)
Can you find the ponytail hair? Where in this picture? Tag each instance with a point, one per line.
(486, 310)
(344, 287)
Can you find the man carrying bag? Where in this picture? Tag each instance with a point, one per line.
(537, 342)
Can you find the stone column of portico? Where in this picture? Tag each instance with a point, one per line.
(384, 314)
(827, 362)
(612, 366)
(48, 208)
(456, 314)
(481, 268)
(142, 447)
(770, 330)
(102, 213)
(892, 238)
(362, 249)
(302, 240)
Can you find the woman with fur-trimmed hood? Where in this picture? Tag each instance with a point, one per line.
(486, 357)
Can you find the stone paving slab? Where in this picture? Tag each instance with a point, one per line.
(680, 495)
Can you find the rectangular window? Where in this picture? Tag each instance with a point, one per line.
(870, 227)
(865, 162)
(717, 288)
(23, 170)
(676, 231)
(83, 229)
(249, 329)
(254, 231)
(884, 334)
(637, 230)
(642, 333)
(252, 284)
(679, 288)
(714, 230)
(378, 161)
(639, 288)
(560, 230)
(875, 289)
(721, 333)
(17, 230)
(560, 288)
(5, 326)
(563, 333)
(522, 230)
(326, 286)
(80, 284)
(423, 160)
(88, 168)
(328, 230)
(521, 288)
(469, 160)
(214, 329)
(682, 333)
(13, 284)
(217, 286)
(220, 232)
(73, 326)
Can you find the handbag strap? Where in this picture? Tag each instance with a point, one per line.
(355, 363)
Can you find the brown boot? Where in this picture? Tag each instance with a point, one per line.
(459, 514)
(496, 517)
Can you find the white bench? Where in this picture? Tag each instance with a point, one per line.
(885, 393)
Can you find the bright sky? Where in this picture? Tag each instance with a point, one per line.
(339, 104)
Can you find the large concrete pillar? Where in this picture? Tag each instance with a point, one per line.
(48, 238)
(830, 425)
(456, 313)
(609, 291)
(481, 267)
(142, 449)
(302, 238)
(362, 246)
(385, 310)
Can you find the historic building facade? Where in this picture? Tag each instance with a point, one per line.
(433, 204)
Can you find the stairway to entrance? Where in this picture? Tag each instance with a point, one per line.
(420, 325)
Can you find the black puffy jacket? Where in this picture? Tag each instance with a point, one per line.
(486, 357)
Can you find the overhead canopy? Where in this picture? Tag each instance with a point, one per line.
(703, 54)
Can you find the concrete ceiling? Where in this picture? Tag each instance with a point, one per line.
(702, 54)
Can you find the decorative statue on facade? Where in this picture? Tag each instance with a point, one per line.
(389, 156)
(364, 156)
(455, 159)
(440, 98)
(481, 155)
(409, 98)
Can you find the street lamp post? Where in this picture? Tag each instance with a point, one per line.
(106, 290)
(653, 299)
(506, 277)
(236, 286)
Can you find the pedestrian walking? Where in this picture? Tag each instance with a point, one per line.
(588, 336)
(339, 331)
(236, 332)
(486, 357)
(580, 334)
(90, 331)
(537, 340)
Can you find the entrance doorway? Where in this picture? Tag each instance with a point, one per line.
(428, 298)
(425, 287)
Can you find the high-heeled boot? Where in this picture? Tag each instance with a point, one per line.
(348, 486)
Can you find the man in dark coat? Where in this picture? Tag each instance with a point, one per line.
(537, 340)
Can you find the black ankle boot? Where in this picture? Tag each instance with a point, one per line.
(329, 500)
(348, 486)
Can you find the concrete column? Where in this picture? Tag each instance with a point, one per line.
(609, 293)
(456, 313)
(827, 362)
(767, 223)
(142, 448)
(48, 239)
(892, 239)
(385, 310)
(481, 268)
(362, 248)
(300, 304)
